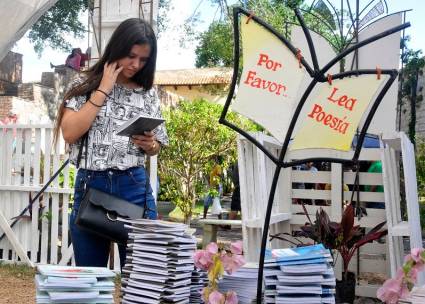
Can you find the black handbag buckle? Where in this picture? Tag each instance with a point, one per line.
(110, 218)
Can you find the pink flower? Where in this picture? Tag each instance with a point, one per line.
(203, 260)
(231, 298)
(232, 262)
(393, 289)
(416, 254)
(390, 292)
(216, 297)
(413, 274)
(212, 248)
(236, 247)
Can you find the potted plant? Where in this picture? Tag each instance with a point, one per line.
(165, 202)
(345, 238)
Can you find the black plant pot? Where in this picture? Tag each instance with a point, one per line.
(346, 289)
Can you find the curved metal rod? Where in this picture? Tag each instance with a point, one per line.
(235, 65)
(226, 106)
(359, 144)
(281, 163)
(373, 111)
(266, 232)
(366, 6)
(324, 23)
(328, 40)
(309, 40)
(318, 76)
(278, 35)
(251, 139)
(386, 5)
(335, 11)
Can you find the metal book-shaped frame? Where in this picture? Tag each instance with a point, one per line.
(319, 77)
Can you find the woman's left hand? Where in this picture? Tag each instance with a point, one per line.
(147, 142)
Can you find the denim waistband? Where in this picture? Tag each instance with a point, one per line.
(109, 172)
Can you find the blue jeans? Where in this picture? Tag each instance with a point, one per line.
(131, 185)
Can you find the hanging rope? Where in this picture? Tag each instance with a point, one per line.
(299, 58)
(378, 72)
(251, 14)
(329, 77)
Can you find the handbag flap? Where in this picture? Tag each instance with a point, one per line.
(114, 204)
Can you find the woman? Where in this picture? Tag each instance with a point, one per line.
(73, 61)
(122, 78)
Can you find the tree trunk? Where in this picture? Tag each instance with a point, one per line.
(412, 123)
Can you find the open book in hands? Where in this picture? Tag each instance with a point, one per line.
(138, 125)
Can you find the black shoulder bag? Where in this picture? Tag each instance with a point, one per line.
(99, 210)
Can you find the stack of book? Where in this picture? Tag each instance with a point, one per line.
(299, 275)
(199, 281)
(66, 284)
(416, 296)
(243, 282)
(159, 263)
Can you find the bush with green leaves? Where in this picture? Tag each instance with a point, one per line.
(196, 138)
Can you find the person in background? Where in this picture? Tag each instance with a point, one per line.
(235, 205)
(215, 187)
(123, 75)
(375, 167)
(85, 57)
(73, 60)
(76, 60)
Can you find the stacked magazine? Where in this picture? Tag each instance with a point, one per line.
(243, 282)
(299, 275)
(159, 263)
(199, 281)
(67, 284)
(416, 296)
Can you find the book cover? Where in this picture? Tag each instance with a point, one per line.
(138, 125)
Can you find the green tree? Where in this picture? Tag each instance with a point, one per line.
(59, 20)
(215, 46)
(195, 138)
(414, 64)
(63, 19)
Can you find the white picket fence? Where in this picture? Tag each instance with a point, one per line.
(256, 173)
(27, 161)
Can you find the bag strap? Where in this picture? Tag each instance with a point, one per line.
(84, 142)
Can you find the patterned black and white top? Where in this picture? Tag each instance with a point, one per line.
(106, 150)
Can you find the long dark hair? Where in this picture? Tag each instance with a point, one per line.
(129, 33)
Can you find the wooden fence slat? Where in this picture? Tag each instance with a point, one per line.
(26, 164)
(27, 156)
(45, 214)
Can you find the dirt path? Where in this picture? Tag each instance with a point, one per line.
(16, 285)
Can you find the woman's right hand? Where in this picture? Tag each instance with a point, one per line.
(110, 74)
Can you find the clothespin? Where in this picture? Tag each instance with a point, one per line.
(299, 57)
(251, 14)
(329, 79)
(378, 72)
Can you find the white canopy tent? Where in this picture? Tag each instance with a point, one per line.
(16, 17)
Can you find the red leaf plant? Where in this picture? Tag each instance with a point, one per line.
(345, 237)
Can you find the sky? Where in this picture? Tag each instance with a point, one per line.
(172, 56)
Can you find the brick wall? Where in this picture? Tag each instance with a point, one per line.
(11, 68)
(6, 105)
